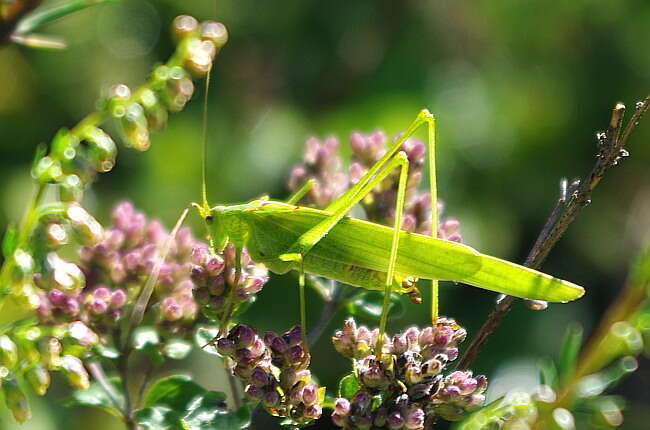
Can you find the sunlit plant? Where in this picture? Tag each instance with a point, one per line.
(95, 295)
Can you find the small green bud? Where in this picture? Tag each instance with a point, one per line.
(23, 263)
(16, 400)
(52, 353)
(179, 91)
(38, 378)
(55, 235)
(64, 146)
(63, 275)
(88, 230)
(82, 335)
(155, 112)
(47, 170)
(135, 131)
(214, 31)
(26, 294)
(184, 26)
(75, 372)
(8, 352)
(71, 188)
(118, 98)
(199, 55)
(26, 339)
(101, 149)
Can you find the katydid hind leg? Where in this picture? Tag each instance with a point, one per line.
(433, 190)
(301, 192)
(303, 306)
(403, 162)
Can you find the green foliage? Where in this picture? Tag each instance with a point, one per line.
(348, 386)
(368, 305)
(53, 11)
(97, 397)
(203, 335)
(177, 402)
(175, 391)
(569, 352)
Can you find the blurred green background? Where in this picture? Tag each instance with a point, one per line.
(519, 90)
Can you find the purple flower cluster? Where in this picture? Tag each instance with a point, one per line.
(113, 271)
(218, 284)
(117, 267)
(393, 415)
(276, 371)
(36, 351)
(322, 164)
(459, 392)
(406, 385)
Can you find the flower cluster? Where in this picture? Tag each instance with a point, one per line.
(76, 155)
(276, 371)
(117, 268)
(35, 351)
(77, 303)
(322, 165)
(218, 286)
(405, 386)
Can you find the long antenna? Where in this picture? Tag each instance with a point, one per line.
(204, 156)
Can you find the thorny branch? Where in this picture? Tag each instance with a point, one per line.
(611, 149)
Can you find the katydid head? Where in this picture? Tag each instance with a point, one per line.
(214, 220)
(226, 224)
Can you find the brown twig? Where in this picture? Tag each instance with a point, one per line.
(611, 144)
(11, 14)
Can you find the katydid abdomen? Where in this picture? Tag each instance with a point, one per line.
(357, 252)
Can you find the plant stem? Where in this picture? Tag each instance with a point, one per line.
(232, 384)
(123, 370)
(563, 215)
(95, 369)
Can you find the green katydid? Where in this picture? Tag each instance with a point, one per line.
(285, 236)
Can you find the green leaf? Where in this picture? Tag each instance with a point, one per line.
(39, 41)
(203, 335)
(548, 373)
(606, 411)
(368, 304)
(569, 352)
(595, 384)
(144, 336)
(9, 241)
(107, 352)
(177, 349)
(512, 407)
(95, 396)
(640, 269)
(147, 340)
(348, 386)
(175, 392)
(158, 418)
(210, 412)
(51, 12)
